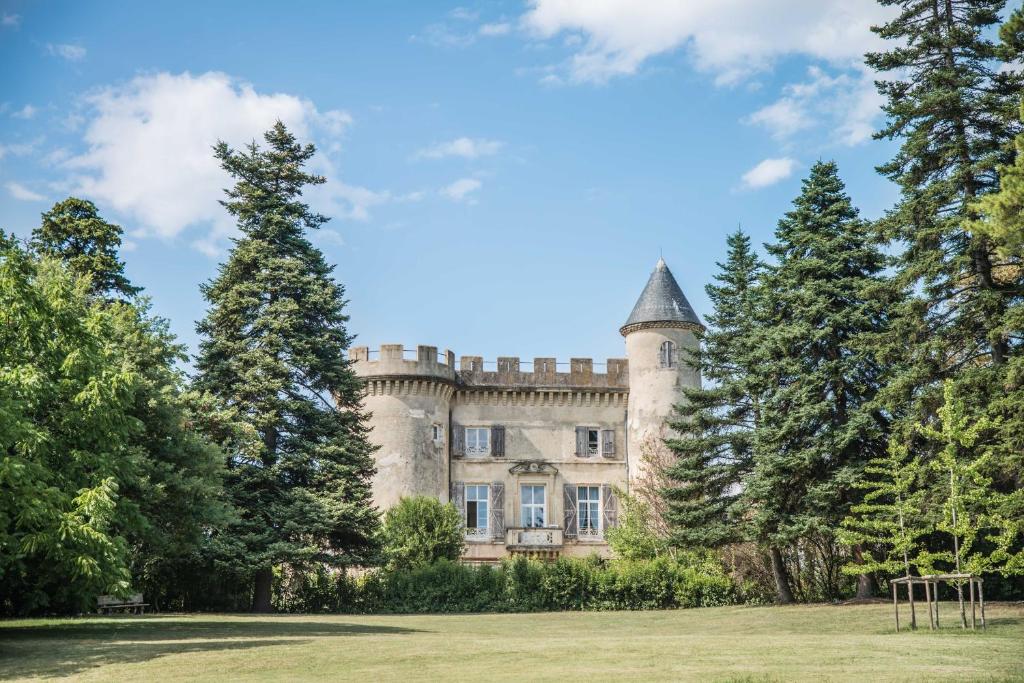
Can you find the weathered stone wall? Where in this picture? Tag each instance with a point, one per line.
(653, 389)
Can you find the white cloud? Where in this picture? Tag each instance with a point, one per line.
(19, 149)
(768, 172)
(10, 20)
(26, 112)
(20, 192)
(728, 38)
(72, 53)
(149, 151)
(461, 188)
(497, 29)
(467, 148)
(782, 118)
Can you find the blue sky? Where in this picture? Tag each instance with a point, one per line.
(502, 175)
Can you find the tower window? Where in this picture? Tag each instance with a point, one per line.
(668, 354)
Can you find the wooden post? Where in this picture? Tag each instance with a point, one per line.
(910, 596)
(981, 599)
(896, 607)
(936, 604)
(928, 599)
(973, 618)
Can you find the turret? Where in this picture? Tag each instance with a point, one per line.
(408, 393)
(660, 333)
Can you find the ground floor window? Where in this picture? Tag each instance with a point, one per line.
(532, 510)
(589, 510)
(476, 509)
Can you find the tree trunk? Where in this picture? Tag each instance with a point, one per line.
(783, 595)
(261, 590)
(865, 586)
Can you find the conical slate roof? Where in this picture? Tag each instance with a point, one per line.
(661, 301)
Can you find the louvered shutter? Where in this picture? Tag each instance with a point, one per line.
(608, 443)
(609, 507)
(497, 511)
(498, 441)
(458, 498)
(458, 441)
(570, 511)
(581, 441)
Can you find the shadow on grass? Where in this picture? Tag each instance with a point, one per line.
(63, 649)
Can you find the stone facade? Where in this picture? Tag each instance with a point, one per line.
(530, 453)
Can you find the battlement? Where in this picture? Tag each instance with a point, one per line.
(474, 371)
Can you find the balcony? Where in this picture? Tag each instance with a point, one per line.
(541, 542)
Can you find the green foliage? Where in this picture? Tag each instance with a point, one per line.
(890, 516)
(635, 537)
(66, 438)
(419, 531)
(273, 351)
(73, 232)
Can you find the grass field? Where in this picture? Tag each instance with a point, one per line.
(727, 643)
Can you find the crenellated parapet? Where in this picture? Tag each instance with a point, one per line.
(396, 364)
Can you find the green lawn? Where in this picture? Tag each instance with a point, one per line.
(728, 643)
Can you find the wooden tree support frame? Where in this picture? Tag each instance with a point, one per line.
(931, 595)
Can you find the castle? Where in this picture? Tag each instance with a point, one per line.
(530, 457)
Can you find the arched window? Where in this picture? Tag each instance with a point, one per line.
(668, 354)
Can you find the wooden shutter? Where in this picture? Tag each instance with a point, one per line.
(498, 441)
(458, 498)
(570, 511)
(609, 507)
(458, 441)
(608, 443)
(581, 441)
(497, 511)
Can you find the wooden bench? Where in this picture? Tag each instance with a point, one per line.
(133, 604)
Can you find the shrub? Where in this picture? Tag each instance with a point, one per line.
(419, 531)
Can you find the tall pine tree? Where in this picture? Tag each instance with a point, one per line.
(715, 424)
(273, 349)
(823, 305)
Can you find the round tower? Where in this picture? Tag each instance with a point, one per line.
(660, 333)
(409, 400)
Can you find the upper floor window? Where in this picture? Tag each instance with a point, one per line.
(595, 441)
(477, 496)
(478, 440)
(532, 505)
(437, 432)
(668, 354)
(588, 514)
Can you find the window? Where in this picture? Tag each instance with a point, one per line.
(589, 511)
(593, 441)
(478, 440)
(438, 433)
(477, 496)
(668, 354)
(532, 505)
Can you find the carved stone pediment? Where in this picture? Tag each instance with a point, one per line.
(533, 467)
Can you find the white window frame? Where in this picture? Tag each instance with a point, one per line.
(476, 490)
(527, 510)
(667, 354)
(592, 504)
(437, 431)
(480, 447)
(596, 449)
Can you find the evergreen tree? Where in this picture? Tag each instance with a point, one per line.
(74, 232)
(824, 303)
(715, 424)
(272, 349)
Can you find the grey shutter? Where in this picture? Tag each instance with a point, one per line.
(570, 511)
(581, 441)
(498, 511)
(458, 441)
(609, 506)
(498, 441)
(458, 497)
(608, 443)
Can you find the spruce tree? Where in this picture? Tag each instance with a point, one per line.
(715, 423)
(823, 305)
(273, 349)
(74, 232)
